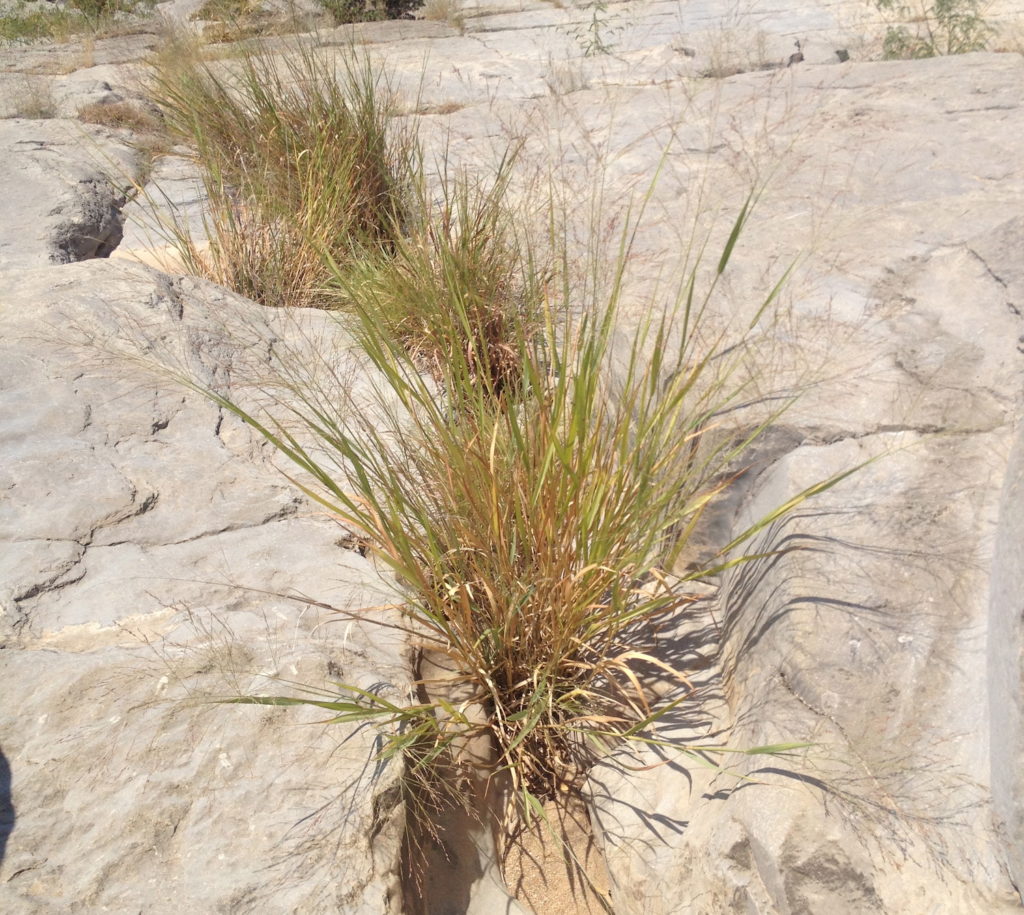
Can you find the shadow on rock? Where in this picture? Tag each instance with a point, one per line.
(6, 805)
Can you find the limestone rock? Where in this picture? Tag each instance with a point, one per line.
(1006, 667)
(883, 626)
(64, 196)
(147, 540)
(153, 559)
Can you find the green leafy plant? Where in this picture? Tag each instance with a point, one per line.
(944, 27)
(595, 36)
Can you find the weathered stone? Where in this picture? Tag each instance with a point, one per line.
(151, 554)
(889, 633)
(1006, 667)
(143, 529)
(64, 181)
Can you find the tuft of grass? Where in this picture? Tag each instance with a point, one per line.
(24, 21)
(123, 115)
(459, 290)
(447, 11)
(527, 474)
(441, 108)
(226, 10)
(97, 10)
(147, 134)
(531, 537)
(226, 21)
(298, 159)
(36, 100)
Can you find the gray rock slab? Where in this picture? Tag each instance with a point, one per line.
(889, 639)
(868, 643)
(1006, 665)
(891, 642)
(896, 183)
(79, 51)
(165, 806)
(169, 206)
(65, 185)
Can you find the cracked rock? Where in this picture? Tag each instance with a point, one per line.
(63, 198)
(146, 562)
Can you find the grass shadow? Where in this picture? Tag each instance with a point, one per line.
(742, 649)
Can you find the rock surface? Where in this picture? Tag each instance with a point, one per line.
(150, 554)
(141, 529)
(891, 641)
(62, 205)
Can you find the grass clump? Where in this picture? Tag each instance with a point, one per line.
(23, 23)
(527, 475)
(228, 21)
(298, 159)
(36, 100)
(531, 531)
(316, 199)
(42, 21)
(459, 291)
(121, 115)
(227, 10)
(447, 11)
(146, 131)
(95, 10)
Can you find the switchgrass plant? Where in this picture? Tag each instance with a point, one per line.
(460, 290)
(315, 197)
(526, 473)
(532, 532)
(299, 157)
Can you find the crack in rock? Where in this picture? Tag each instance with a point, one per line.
(97, 227)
